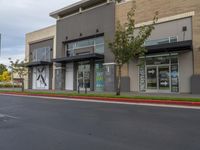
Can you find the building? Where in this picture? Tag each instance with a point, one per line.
(74, 53)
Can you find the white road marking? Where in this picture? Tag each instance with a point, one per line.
(9, 116)
(108, 102)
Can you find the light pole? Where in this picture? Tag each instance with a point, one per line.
(0, 44)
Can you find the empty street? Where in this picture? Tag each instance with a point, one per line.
(28, 123)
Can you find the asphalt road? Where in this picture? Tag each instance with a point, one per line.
(41, 124)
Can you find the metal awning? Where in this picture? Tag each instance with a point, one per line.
(170, 47)
(79, 58)
(38, 63)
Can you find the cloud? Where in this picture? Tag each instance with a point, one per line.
(19, 17)
(12, 52)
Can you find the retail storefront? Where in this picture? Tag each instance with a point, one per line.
(83, 64)
(40, 65)
(159, 74)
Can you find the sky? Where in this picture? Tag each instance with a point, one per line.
(18, 17)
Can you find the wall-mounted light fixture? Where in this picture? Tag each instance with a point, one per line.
(184, 28)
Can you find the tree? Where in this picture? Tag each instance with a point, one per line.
(129, 41)
(2, 68)
(5, 77)
(19, 67)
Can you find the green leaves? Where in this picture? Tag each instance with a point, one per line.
(120, 46)
(18, 67)
(129, 41)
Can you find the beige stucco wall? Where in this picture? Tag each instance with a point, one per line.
(37, 36)
(134, 75)
(185, 71)
(166, 8)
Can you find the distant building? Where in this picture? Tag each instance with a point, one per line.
(74, 53)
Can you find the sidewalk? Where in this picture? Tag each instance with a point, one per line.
(178, 95)
(149, 98)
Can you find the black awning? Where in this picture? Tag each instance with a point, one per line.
(79, 58)
(38, 63)
(170, 47)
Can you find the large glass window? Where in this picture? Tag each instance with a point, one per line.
(97, 43)
(167, 40)
(41, 54)
(84, 43)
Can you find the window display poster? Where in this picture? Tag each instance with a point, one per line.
(142, 78)
(99, 77)
(174, 78)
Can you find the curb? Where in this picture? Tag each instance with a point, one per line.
(126, 100)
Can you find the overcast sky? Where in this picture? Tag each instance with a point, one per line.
(18, 17)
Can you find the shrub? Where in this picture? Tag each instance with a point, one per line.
(9, 85)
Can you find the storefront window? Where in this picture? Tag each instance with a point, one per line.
(174, 78)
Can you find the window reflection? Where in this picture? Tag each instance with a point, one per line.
(97, 43)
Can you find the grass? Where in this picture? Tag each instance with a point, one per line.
(103, 95)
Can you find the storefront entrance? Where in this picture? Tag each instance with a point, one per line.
(158, 78)
(83, 76)
(160, 74)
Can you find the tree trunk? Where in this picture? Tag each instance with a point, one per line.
(22, 85)
(119, 81)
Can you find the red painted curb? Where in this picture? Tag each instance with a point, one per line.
(166, 102)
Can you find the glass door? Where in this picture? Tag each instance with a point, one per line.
(83, 77)
(80, 80)
(152, 83)
(164, 78)
(158, 78)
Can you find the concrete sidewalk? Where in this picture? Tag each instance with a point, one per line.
(178, 95)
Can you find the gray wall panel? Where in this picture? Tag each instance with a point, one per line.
(173, 28)
(86, 23)
(195, 81)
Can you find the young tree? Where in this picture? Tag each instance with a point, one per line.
(129, 42)
(19, 67)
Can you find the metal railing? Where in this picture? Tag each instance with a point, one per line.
(171, 39)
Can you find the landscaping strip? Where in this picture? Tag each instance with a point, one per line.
(114, 98)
